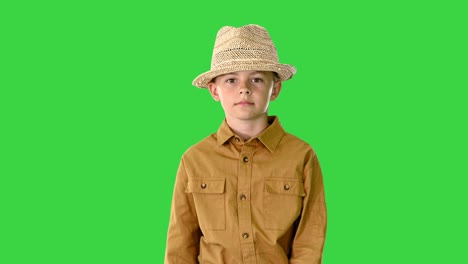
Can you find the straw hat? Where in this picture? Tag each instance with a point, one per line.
(248, 48)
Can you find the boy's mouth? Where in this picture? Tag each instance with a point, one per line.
(244, 103)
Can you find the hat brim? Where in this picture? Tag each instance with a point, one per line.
(284, 71)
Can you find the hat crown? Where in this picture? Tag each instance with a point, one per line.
(247, 43)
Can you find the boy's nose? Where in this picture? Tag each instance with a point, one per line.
(244, 91)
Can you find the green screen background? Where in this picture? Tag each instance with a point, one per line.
(97, 107)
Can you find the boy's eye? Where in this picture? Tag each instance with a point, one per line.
(257, 80)
(231, 80)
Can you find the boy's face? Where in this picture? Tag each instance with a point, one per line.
(245, 95)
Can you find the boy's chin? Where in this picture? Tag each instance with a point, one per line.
(249, 117)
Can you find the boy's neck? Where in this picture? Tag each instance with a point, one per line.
(247, 129)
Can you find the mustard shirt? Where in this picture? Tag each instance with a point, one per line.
(259, 201)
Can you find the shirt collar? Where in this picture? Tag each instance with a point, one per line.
(270, 137)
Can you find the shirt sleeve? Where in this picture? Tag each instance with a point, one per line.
(183, 236)
(308, 243)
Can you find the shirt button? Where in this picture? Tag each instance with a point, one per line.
(237, 139)
(243, 197)
(286, 187)
(203, 185)
(245, 235)
(245, 159)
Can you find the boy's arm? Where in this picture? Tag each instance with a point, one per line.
(309, 240)
(183, 236)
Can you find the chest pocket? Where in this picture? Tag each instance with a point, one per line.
(209, 198)
(282, 202)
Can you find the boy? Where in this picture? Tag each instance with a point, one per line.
(249, 193)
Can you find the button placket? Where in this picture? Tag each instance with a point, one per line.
(244, 195)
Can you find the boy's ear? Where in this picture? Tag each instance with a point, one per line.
(213, 91)
(276, 90)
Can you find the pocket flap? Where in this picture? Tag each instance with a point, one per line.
(205, 185)
(284, 186)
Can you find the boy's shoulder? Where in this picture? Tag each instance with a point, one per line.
(202, 146)
(298, 144)
(291, 138)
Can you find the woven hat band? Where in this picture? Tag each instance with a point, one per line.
(241, 55)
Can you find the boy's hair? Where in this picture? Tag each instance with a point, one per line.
(275, 78)
(248, 48)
